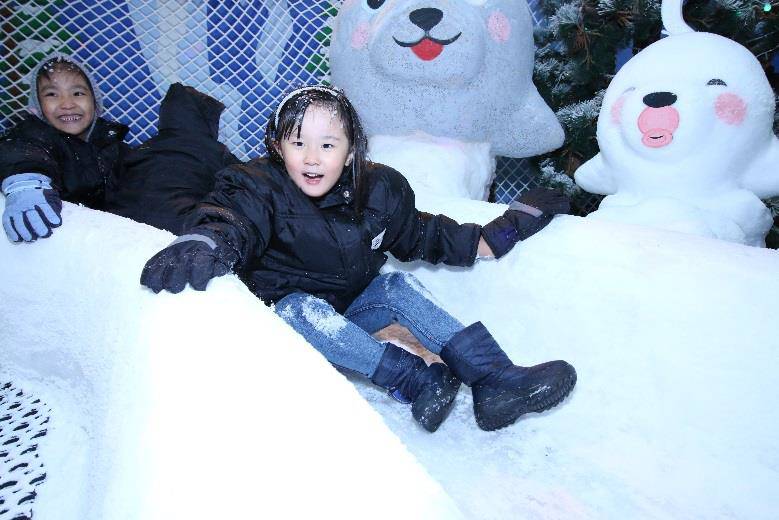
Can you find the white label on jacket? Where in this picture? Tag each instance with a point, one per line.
(376, 242)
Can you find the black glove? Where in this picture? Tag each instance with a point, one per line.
(551, 202)
(193, 258)
(525, 217)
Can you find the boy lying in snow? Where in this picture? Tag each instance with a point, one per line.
(63, 150)
(164, 178)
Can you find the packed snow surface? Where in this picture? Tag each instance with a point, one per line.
(196, 405)
(203, 405)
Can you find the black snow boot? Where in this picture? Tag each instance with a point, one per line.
(430, 389)
(503, 391)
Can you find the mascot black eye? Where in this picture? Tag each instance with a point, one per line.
(717, 81)
(374, 4)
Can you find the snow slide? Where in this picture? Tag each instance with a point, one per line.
(197, 405)
(675, 341)
(175, 405)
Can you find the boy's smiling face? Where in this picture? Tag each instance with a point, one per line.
(316, 152)
(67, 102)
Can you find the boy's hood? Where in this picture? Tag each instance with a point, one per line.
(34, 104)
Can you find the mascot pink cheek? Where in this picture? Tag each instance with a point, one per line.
(360, 36)
(616, 110)
(499, 27)
(730, 108)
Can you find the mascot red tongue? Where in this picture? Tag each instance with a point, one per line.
(429, 80)
(427, 49)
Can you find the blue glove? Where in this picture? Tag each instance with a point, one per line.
(525, 217)
(32, 207)
(193, 258)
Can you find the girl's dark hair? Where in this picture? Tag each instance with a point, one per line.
(288, 117)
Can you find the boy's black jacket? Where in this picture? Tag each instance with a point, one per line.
(165, 177)
(289, 242)
(81, 171)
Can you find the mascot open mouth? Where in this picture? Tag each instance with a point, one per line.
(657, 126)
(427, 48)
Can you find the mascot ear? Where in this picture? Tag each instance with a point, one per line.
(527, 128)
(762, 177)
(594, 177)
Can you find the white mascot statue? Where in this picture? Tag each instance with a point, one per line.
(686, 140)
(443, 87)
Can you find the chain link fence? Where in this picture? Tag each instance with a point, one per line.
(244, 53)
(513, 176)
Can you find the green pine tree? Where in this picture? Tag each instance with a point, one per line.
(319, 64)
(577, 58)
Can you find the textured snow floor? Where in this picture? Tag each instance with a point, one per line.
(184, 405)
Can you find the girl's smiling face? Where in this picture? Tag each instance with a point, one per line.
(67, 102)
(316, 152)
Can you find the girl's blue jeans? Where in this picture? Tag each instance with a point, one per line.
(346, 341)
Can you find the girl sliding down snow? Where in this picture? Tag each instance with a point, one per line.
(307, 229)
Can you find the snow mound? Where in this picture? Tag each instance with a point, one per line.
(206, 405)
(197, 405)
(674, 338)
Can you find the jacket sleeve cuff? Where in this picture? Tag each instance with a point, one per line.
(500, 235)
(474, 246)
(196, 237)
(25, 181)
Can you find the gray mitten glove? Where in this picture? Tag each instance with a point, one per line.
(32, 207)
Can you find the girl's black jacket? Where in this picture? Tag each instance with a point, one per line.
(288, 242)
(81, 171)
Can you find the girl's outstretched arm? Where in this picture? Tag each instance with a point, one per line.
(239, 210)
(417, 235)
(230, 226)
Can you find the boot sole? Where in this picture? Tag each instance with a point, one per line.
(499, 412)
(438, 401)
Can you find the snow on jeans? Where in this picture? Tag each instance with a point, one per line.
(346, 341)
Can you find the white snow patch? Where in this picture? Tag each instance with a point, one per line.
(414, 284)
(437, 165)
(170, 397)
(542, 388)
(328, 324)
